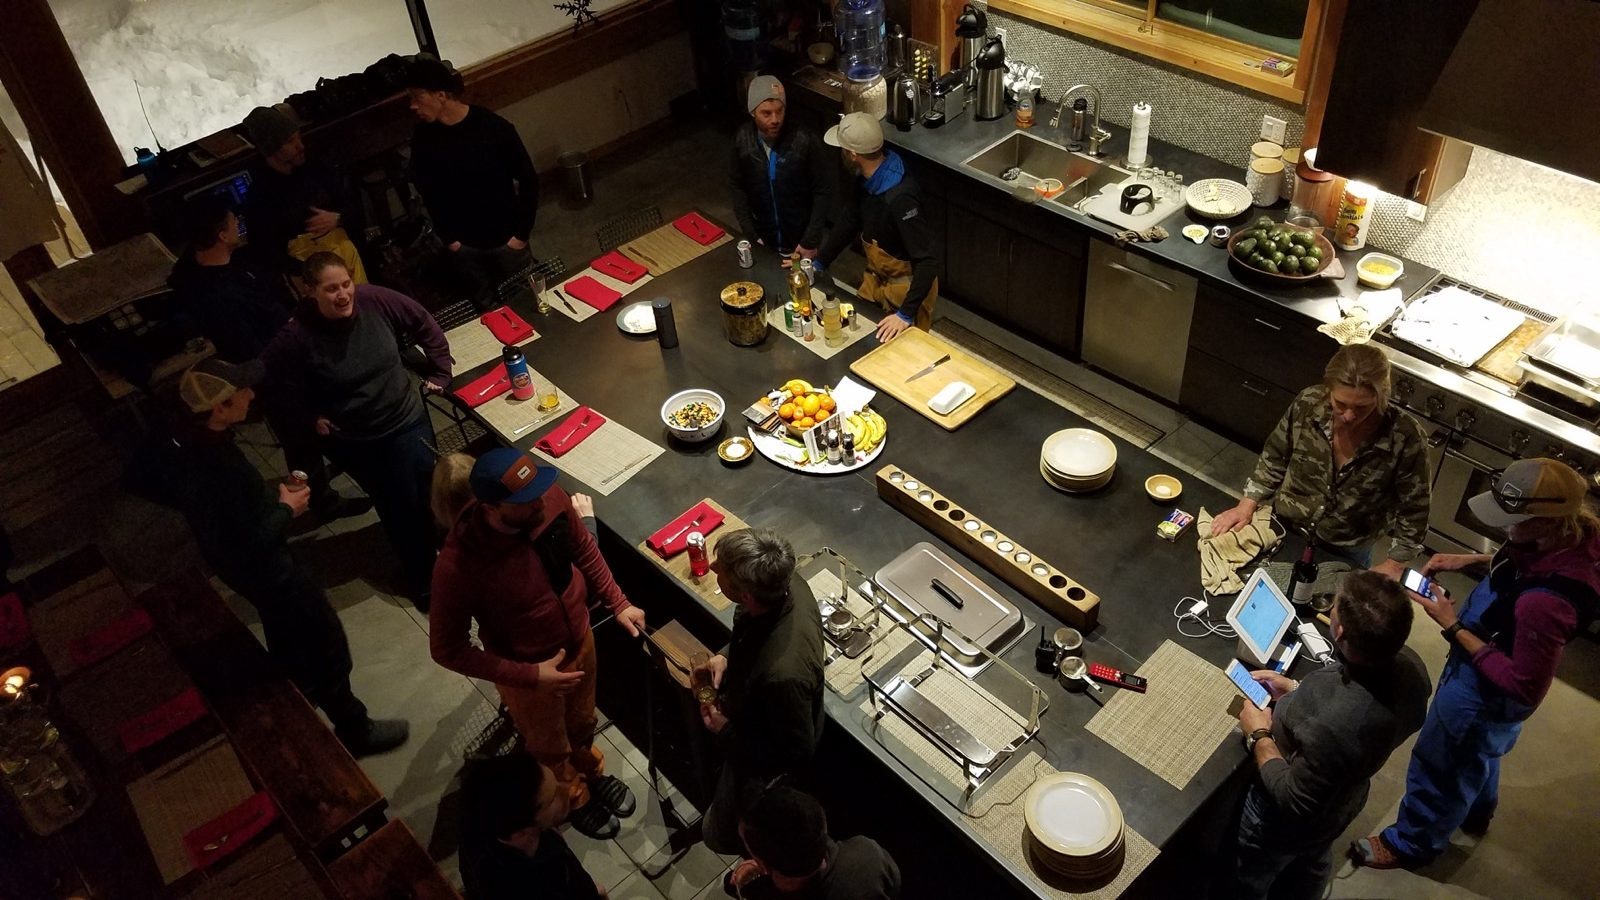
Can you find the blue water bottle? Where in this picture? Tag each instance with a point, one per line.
(517, 371)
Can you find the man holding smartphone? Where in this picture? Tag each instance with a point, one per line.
(1324, 737)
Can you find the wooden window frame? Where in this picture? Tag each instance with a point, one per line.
(1120, 25)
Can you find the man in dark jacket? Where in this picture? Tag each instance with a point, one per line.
(782, 178)
(227, 296)
(1324, 738)
(793, 858)
(768, 716)
(239, 524)
(476, 177)
(510, 849)
(884, 207)
(295, 207)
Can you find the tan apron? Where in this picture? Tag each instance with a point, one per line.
(337, 242)
(888, 280)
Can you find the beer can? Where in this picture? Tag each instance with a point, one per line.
(297, 479)
(699, 563)
(746, 257)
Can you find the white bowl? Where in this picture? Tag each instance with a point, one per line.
(1079, 453)
(690, 396)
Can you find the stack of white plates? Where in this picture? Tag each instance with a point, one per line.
(1076, 826)
(1077, 460)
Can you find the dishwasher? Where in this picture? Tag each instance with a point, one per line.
(1136, 319)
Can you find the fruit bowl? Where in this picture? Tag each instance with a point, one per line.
(1260, 232)
(807, 407)
(678, 406)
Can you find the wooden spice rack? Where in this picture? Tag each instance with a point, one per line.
(1014, 564)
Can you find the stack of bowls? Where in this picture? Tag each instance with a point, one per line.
(1077, 460)
(1074, 826)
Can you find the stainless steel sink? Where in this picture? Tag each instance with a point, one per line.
(1023, 160)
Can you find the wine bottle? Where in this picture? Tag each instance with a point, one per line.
(1304, 577)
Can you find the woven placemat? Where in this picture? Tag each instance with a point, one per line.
(183, 795)
(606, 459)
(473, 344)
(133, 681)
(75, 612)
(1175, 727)
(667, 248)
(997, 816)
(516, 419)
(268, 871)
(581, 310)
(859, 329)
(678, 566)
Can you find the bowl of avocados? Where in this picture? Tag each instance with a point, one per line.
(1279, 253)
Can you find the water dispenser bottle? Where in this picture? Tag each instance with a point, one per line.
(744, 26)
(860, 25)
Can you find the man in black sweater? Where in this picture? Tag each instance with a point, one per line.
(792, 855)
(884, 208)
(782, 177)
(476, 177)
(510, 850)
(768, 716)
(239, 524)
(1324, 738)
(295, 207)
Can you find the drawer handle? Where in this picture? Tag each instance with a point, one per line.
(1150, 278)
(1259, 392)
(1269, 325)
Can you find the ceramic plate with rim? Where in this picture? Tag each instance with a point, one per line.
(1072, 814)
(637, 318)
(1079, 453)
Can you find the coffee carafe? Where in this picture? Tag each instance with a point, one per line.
(991, 89)
(971, 26)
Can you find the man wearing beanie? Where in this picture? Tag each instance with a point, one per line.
(476, 177)
(883, 206)
(295, 207)
(782, 178)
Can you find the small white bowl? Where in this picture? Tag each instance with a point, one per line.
(1379, 280)
(821, 53)
(692, 395)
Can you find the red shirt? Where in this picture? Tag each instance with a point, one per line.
(503, 582)
(1545, 624)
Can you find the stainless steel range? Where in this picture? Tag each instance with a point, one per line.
(1478, 424)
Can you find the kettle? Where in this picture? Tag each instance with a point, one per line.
(991, 88)
(905, 100)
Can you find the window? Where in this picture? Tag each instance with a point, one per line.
(471, 31)
(1263, 45)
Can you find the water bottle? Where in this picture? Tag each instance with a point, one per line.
(860, 24)
(517, 371)
(743, 26)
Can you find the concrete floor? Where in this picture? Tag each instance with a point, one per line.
(1543, 844)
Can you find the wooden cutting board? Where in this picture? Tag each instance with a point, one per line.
(888, 367)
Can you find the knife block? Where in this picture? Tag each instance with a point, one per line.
(1014, 564)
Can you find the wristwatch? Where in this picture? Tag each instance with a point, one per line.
(1251, 739)
(1450, 632)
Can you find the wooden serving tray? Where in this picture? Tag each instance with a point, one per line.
(888, 367)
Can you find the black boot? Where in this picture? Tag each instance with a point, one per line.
(610, 790)
(595, 820)
(334, 505)
(376, 736)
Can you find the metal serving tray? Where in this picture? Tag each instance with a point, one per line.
(925, 581)
(1569, 348)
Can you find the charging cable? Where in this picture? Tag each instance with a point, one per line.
(1194, 619)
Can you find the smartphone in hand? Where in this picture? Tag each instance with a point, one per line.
(1255, 690)
(1418, 583)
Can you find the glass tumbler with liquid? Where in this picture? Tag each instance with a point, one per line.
(832, 321)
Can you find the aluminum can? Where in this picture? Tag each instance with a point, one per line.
(297, 479)
(699, 563)
(746, 257)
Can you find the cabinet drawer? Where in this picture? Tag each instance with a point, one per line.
(1285, 350)
(1243, 406)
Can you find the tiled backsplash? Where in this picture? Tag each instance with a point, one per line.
(1509, 226)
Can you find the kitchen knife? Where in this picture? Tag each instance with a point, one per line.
(563, 298)
(929, 368)
(944, 591)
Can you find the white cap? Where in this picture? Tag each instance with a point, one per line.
(857, 132)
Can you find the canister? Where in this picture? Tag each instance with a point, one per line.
(1265, 181)
(744, 316)
(1291, 161)
(1266, 150)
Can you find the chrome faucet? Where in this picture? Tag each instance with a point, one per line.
(1097, 135)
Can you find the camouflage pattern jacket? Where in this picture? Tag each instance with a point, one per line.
(1382, 491)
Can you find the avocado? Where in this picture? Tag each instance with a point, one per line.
(1290, 265)
(1303, 238)
(1246, 247)
(1314, 252)
(1277, 257)
(1267, 246)
(1265, 222)
(1256, 259)
(1269, 266)
(1295, 250)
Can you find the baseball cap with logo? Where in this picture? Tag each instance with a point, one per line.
(1529, 489)
(507, 475)
(270, 127)
(763, 88)
(212, 381)
(857, 132)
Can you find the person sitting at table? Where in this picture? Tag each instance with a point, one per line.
(295, 208)
(786, 834)
(476, 177)
(1324, 737)
(226, 295)
(883, 207)
(782, 180)
(510, 850)
(1345, 463)
(338, 359)
(768, 715)
(520, 562)
(239, 523)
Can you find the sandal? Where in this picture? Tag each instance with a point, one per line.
(609, 790)
(595, 820)
(1375, 853)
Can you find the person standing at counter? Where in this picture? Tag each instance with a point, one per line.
(294, 207)
(475, 176)
(884, 208)
(792, 856)
(782, 179)
(1324, 738)
(1541, 590)
(768, 717)
(520, 562)
(1344, 462)
(338, 360)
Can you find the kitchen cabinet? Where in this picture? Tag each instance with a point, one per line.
(1243, 406)
(1042, 296)
(977, 261)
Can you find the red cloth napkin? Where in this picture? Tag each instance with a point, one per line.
(111, 637)
(673, 538)
(592, 292)
(144, 730)
(485, 387)
(697, 227)
(507, 327)
(228, 832)
(13, 623)
(571, 432)
(619, 267)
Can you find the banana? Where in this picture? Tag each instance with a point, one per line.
(858, 427)
(797, 387)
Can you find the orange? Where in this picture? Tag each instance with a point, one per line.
(786, 411)
(804, 422)
(812, 403)
(826, 402)
(822, 415)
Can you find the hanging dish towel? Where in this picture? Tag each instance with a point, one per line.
(1222, 557)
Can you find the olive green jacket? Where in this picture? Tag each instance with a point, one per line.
(1383, 490)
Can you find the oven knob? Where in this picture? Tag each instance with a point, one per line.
(1465, 420)
(1404, 388)
(1551, 451)
(1435, 405)
(1519, 440)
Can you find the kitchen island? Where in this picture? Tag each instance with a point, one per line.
(1106, 540)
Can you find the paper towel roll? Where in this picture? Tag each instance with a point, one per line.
(1139, 136)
